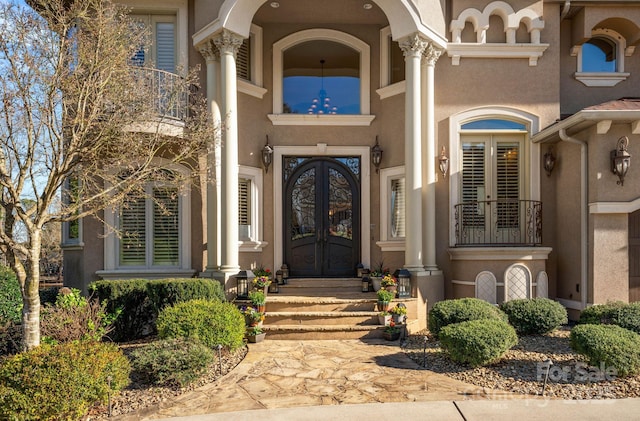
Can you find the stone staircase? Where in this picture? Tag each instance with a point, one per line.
(326, 308)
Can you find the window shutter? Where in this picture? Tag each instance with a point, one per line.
(508, 184)
(473, 183)
(398, 208)
(244, 208)
(133, 241)
(165, 46)
(166, 227)
(243, 61)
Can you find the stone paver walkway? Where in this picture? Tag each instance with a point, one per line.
(285, 374)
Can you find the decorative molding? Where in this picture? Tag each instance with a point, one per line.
(251, 89)
(391, 245)
(432, 54)
(603, 126)
(615, 207)
(228, 42)
(413, 45)
(320, 120)
(600, 79)
(472, 50)
(145, 273)
(209, 51)
(499, 253)
(252, 246)
(392, 90)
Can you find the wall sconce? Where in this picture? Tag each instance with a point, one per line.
(376, 155)
(621, 159)
(443, 162)
(267, 155)
(549, 162)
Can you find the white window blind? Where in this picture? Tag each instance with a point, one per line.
(166, 240)
(165, 46)
(244, 208)
(473, 183)
(508, 184)
(397, 208)
(133, 227)
(243, 60)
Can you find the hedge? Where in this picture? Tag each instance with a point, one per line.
(601, 313)
(608, 345)
(535, 316)
(448, 312)
(60, 382)
(478, 342)
(211, 322)
(10, 296)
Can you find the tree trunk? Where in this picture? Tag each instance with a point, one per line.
(31, 295)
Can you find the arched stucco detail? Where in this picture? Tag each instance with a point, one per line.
(403, 15)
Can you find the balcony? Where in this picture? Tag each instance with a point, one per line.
(501, 223)
(167, 91)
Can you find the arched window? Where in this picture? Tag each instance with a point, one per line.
(599, 55)
(600, 60)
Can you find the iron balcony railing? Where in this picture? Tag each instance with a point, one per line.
(499, 223)
(167, 91)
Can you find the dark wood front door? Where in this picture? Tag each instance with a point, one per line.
(322, 219)
(634, 256)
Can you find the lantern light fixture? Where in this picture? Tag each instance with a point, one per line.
(243, 279)
(267, 155)
(376, 155)
(404, 282)
(621, 159)
(443, 162)
(549, 162)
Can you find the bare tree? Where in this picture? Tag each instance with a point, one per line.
(73, 107)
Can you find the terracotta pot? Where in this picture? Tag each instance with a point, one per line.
(261, 308)
(383, 305)
(391, 288)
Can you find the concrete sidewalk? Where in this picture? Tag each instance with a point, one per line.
(347, 379)
(520, 409)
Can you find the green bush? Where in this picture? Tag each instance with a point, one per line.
(10, 337)
(211, 322)
(628, 317)
(478, 342)
(60, 382)
(10, 296)
(172, 362)
(611, 345)
(535, 316)
(601, 313)
(448, 312)
(139, 301)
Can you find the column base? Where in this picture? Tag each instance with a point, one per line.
(428, 287)
(226, 279)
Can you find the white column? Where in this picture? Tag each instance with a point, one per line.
(228, 44)
(431, 55)
(413, 47)
(212, 57)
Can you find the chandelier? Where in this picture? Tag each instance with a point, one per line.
(322, 104)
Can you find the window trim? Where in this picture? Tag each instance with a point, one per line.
(387, 243)
(254, 87)
(364, 118)
(603, 79)
(387, 89)
(254, 175)
(112, 268)
(531, 151)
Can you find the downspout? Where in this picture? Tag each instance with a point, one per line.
(565, 10)
(584, 214)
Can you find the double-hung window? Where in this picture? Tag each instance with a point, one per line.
(392, 209)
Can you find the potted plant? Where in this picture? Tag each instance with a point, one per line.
(255, 334)
(384, 299)
(389, 283)
(384, 318)
(376, 275)
(391, 332)
(258, 300)
(399, 313)
(253, 317)
(261, 283)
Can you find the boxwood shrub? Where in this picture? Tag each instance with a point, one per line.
(535, 316)
(611, 345)
(478, 342)
(60, 382)
(211, 322)
(601, 313)
(172, 362)
(448, 312)
(140, 300)
(628, 317)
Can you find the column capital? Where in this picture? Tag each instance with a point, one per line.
(414, 45)
(432, 54)
(209, 51)
(228, 42)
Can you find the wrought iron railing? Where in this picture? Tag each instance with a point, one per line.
(499, 223)
(167, 91)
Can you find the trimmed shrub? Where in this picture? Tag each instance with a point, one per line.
(172, 362)
(10, 296)
(478, 342)
(448, 312)
(610, 345)
(60, 382)
(628, 317)
(211, 322)
(535, 316)
(138, 301)
(601, 313)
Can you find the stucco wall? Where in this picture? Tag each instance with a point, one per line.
(610, 257)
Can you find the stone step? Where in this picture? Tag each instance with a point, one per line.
(280, 303)
(324, 332)
(354, 318)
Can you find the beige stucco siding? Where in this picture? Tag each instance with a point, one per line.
(610, 273)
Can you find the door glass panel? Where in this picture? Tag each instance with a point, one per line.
(473, 183)
(507, 184)
(303, 206)
(340, 205)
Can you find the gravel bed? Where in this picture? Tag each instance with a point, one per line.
(522, 370)
(139, 395)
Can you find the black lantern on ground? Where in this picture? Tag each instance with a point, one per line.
(365, 283)
(621, 159)
(273, 286)
(279, 279)
(267, 155)
(359, 270)
(404, 282)
(285, 272)
(243, 279)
